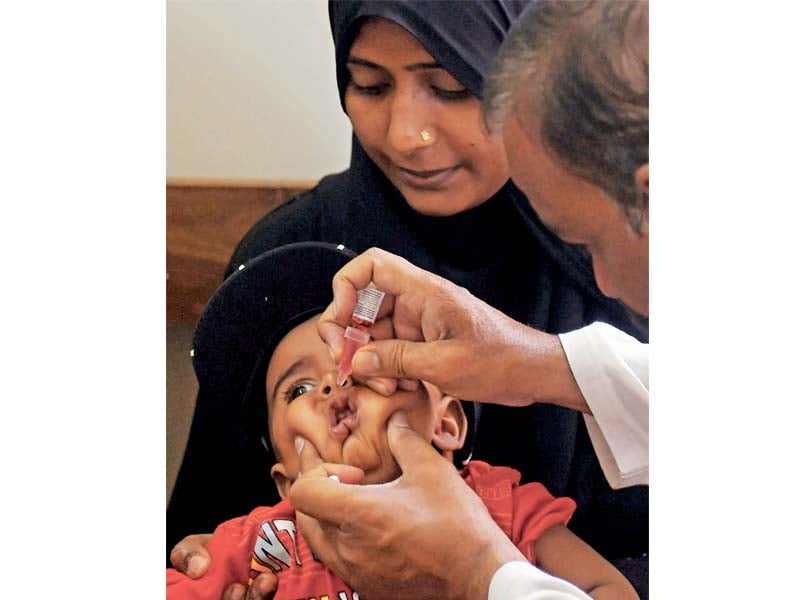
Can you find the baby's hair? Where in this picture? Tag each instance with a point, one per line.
(255, 412)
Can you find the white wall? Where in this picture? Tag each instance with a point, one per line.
(251, 91)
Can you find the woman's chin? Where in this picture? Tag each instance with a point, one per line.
(437, 204)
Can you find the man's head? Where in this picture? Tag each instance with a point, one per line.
(570, 95)
(346, 424)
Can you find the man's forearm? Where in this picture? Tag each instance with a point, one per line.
(539, 367)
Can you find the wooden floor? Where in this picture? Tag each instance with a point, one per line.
(204, 225)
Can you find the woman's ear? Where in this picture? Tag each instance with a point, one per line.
(281, 478)
(451, 427)
(642, 178)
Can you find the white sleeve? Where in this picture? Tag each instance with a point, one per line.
(612, 371)
(520, 580)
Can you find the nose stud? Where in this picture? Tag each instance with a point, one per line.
(425, 135)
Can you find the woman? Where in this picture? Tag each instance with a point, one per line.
(427, 183)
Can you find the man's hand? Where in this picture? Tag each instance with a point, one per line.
(424, 535)
(189, 556)
(428, 328)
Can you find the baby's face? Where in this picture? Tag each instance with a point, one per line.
(346, 424)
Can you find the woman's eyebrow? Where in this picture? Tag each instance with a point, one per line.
(354, 60)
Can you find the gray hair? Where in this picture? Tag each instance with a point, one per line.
(582, 67)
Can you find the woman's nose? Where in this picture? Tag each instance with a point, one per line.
(410, 127)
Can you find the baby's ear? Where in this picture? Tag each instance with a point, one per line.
(281, 478)
(451, 429)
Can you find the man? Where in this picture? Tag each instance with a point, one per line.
(571, 100)
(570, 93)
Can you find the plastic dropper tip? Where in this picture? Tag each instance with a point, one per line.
(341, 378)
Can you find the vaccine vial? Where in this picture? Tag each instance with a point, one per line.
(357, 332)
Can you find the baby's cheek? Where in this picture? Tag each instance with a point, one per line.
(306, 423)
(360, 454)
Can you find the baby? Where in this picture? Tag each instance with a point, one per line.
(347, 425)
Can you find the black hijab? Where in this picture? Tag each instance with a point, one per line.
(462, 36)
(498, 250)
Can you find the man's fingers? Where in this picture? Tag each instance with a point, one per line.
(409, 385)
(357, 275)
(408, 447)
(315, 535)
(389, 273)
(190, 556)
(342, 473)
(324, 542)
(328, 500)
(331, 328)
(311, 465)
(385, 386)
(331, 332)
(382, 329)
(263, 588)
(307, 454)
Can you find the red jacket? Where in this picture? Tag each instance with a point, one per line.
(268, 539)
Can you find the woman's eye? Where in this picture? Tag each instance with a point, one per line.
(298, 389)
(369, 90)
(451, 94)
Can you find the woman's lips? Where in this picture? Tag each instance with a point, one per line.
(431, 180)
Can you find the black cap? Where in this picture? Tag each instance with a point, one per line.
(256, 306)
(251, 312)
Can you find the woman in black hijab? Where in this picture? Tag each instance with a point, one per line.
(492, 243)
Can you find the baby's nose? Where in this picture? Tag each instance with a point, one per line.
(330, 389)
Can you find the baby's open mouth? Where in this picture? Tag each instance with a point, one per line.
(343, 417)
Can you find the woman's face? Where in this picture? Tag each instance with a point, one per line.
(421, 127)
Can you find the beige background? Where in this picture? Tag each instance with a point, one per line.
(251, 91)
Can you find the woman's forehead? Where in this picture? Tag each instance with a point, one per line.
(380, 37)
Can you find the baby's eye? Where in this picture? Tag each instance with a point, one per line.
(298, 389)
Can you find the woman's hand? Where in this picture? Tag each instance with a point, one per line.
(189, 556)
(263, 587)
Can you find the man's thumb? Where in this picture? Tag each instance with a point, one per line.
(407, 446)
(321, 544)
(392, 358)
